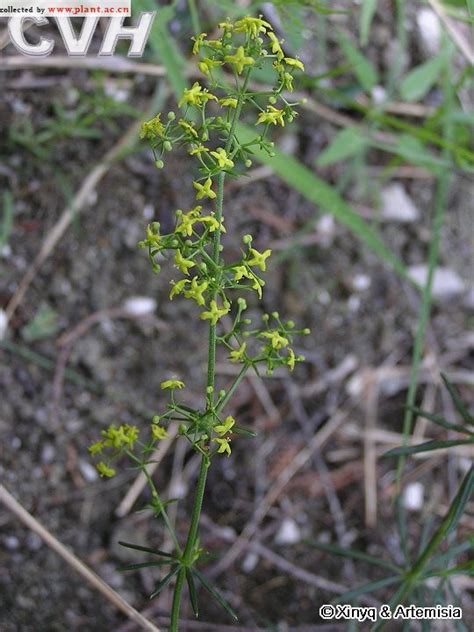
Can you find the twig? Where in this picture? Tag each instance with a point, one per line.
(317, 442)
(112, 64)
(457, 36)
(20, 512)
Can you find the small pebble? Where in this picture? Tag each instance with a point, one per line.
(413, 496)
(288, 533)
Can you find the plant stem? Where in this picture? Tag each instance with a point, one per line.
(187, 558)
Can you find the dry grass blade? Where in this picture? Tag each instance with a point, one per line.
(94, 580)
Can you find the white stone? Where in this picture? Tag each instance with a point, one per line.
(250, 562)
(430, 30)
(397, 205)
(413, 496)
(288, 533)
(88, 471)
(139, 306)
(446, 282)
(361, 282)
(379, 95)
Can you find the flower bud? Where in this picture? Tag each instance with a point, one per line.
(159, 164)
(209, 390)
(171, 116)
(306, 331)
(205, 136)
(156, 419)
(290, 324)
(222, 393)
(167, 146)
(247, 239)
(272, 100)
(248, 163)
(242, 303)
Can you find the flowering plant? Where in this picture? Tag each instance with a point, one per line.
(207, 129)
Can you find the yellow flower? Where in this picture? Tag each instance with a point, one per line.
(198, 42)
(291, 359)
(177, 288)
(188, 127)
(105, 470)
(239, 60)
(196, 291)
(272, 115)
(224, 446)
(96, 448)
(197, 95)
(222, 158)
(152, 128)
(295, 63)
(204, 190)
(187, 220)
(206, 65)
(182, 263)
(277, 340)
(158, 432)
(276, 46)
(238, 355)
(171, 384)
(198, 149)
(224, 428)
(230, 102)
(252, 26)
(215, 313)
(259, 259)
(213, 224)
(242, 271)
(122, 437)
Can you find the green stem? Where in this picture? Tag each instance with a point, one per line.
(187, 558)
(177, 600)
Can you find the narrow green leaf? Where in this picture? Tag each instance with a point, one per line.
(421, 79)
(244, 431)
(440, 421)
(7, 218)
(367, 13)
(145, 549)
(346, 143)
(457, 401)
(360, 65)
(413, 150)
(368, 588)
(461, 569)
(192, 592)
(453, 552)
(217, 596)
(134, 567)
(323, 195)
(352, 553)
(428, 446)
(165, 581)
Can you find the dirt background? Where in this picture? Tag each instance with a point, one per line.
(362, 318)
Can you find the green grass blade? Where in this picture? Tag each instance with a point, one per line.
(217, 596)
(135, 567)
(367, 13)
(457, 401)
(300, 178)
(352, 553)
(360, 65)
(7, 218)
(421, 79)
(345, 144)
(440, 421)
(428, 446)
